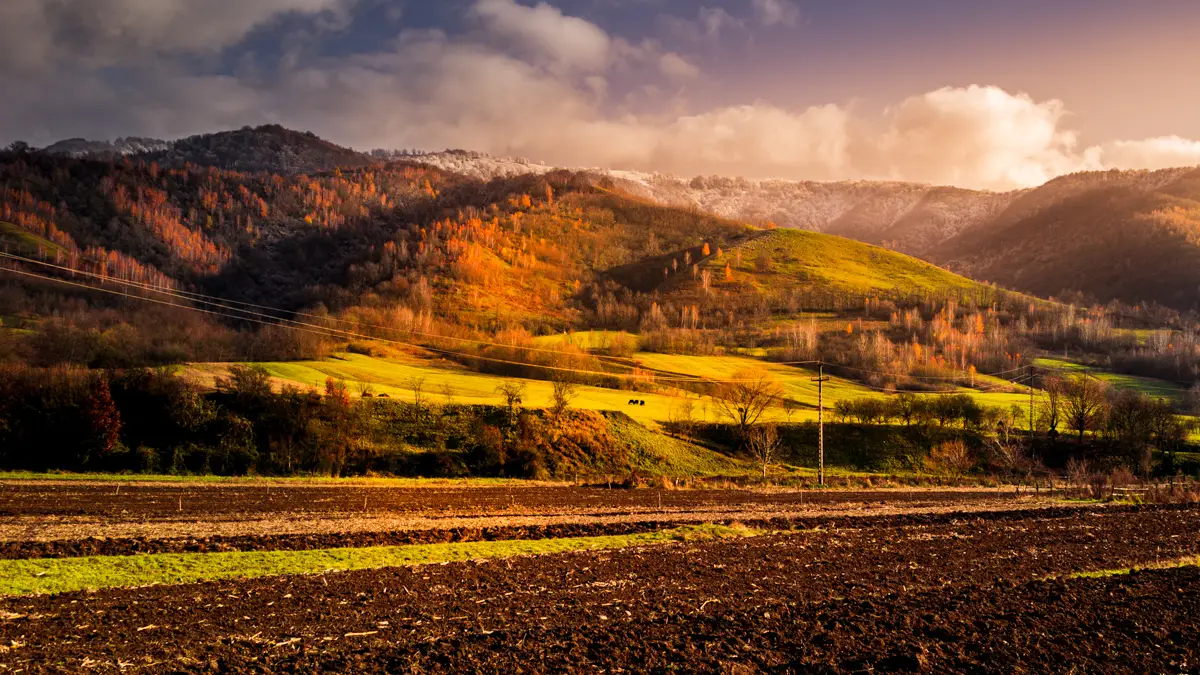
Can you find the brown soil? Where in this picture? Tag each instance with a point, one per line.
(92, 546)
(964, 596)
(173, 501)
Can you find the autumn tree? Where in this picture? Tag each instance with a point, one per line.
(102, 419)
(747, 396)
(952, 458)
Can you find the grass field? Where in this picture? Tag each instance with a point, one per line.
(1146, 385)
(364, 481)
(26, 242)
(392, 377)
(63, 575)
(587, 339)
(835, 263)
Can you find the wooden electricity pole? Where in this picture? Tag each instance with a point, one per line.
(1032, 376)
(820, 379)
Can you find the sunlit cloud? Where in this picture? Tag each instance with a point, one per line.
(521, 79)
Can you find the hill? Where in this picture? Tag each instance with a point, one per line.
(759, 274)
(1042, 240)
(1127, 236)
(269, 148)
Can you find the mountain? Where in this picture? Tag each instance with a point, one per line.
(270, 148)
(1128, 236)
(1119, 235)
(80, 147)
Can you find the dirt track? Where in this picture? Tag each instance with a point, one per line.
(964, 596)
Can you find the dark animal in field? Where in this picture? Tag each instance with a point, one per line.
(384, 396)
(632, 402)
(370, 395)
(643, 403)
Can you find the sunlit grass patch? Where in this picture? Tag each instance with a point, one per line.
(351, 481)
(62, 575)
(1186, 561)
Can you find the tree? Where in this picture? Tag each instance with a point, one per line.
(764, 445)
(417, 386)
(448, 389)
(1084, 400)
(513, 393)
(747, 396)
(103, 420)
(952, 458)
(904, 407)
(1051, 410)
(564, 393)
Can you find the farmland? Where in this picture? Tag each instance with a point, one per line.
(297, 576)
(393, 376)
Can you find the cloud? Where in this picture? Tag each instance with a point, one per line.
(676, 67)
(530, 81)
(709, 24)
(546, 34)
(38, 35)
(776, 12)
(1152, 153)
(973, 136)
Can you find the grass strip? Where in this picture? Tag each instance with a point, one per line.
(1186, 561)
(63, 575)
(365, 481)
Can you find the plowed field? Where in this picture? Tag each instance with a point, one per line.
(955, 583)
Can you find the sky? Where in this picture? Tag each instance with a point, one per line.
(976, 93)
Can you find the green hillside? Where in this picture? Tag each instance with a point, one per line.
(835, 263)
(781, 262)
(22, 242)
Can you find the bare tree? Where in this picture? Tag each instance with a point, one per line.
(417, 386)
(790, 407)
(365, 390)
(448, 393)
(681, 414)
(764, 445)
(1084, 401)
(564, 393)
(1050, 413)
(514, 394)
(1079, 473)
(747, 396)
(1009, 455)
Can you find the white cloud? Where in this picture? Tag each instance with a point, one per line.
(777, 12)
(546, 34)
(973, 136)
(1152, 153)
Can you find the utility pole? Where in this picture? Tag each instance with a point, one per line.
(1032, 376)
(820, 379)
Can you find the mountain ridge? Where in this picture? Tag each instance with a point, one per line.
(982, 234)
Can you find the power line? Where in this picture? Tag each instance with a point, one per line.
(221, 302)
(338, 333)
